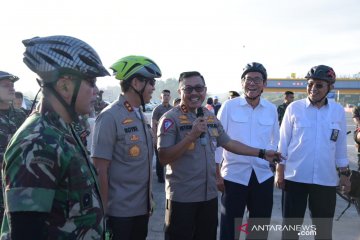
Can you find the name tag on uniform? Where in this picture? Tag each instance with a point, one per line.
(334, 135)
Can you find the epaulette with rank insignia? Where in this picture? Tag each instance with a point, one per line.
(184, 108)
(128, 106)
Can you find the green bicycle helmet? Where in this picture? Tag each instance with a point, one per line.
(130, 66)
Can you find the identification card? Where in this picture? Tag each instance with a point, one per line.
(334, 135)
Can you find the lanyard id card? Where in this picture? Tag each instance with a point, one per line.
(334, 134)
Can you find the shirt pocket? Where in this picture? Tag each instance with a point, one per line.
(265, 128)
(302, 130)
(239, 118)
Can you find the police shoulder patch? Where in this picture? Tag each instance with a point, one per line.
(167, 124)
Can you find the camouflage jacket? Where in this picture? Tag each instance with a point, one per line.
(281, 111)
(10, 121)
(46, 169)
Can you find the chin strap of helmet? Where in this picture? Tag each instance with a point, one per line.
(315, 102)
(253, 98)
(140, 94)
(69, 108)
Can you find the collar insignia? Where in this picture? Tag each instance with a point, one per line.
(184, 108)
(128, 106)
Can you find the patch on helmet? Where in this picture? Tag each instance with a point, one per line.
(331, 74)
(167, 124)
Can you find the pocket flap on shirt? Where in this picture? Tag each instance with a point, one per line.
(266, 121)
(335, 126)
(239, 118)
(301, 124)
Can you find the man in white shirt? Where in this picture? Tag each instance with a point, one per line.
(313, 138)
(247, 181)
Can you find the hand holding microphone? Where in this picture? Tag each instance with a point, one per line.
(200, 113)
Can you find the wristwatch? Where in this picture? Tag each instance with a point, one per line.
(262, 153)
(345, 172)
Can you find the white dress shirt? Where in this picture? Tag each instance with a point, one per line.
(305, 139)
(257, 127)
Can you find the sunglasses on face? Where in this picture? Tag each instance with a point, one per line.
(151, 81)
(190, 89)
(91, 82)
(316, 85)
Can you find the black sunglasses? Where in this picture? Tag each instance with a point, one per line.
(91, 81)
(151, 81)
(190, 89)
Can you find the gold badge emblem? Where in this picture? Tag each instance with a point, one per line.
(184, 108)
(214, 132)
(128, 106)
(134, 138)
(127, 121)
(191, 146)
(211, 119)
(185, 122)
(134, 151)
(183, 117)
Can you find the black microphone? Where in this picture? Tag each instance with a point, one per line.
(200, 113)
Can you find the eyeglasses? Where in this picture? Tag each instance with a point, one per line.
(256, 80)
(197, 88)
(91, 82)
(6, 84)
(317, 85)
(151, 81)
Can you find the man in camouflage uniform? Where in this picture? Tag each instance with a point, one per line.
(100, 104)
(10, 118)
(288, 98)
(50, 186)
(122, 150)
(156, 115)
(356, 118)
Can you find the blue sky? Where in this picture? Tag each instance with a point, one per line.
(214, 37)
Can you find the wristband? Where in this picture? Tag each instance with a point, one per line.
(346, 172)
(262, 153)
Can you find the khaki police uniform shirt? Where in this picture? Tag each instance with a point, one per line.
(159, 111)
(192, 177)
(119, 136)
